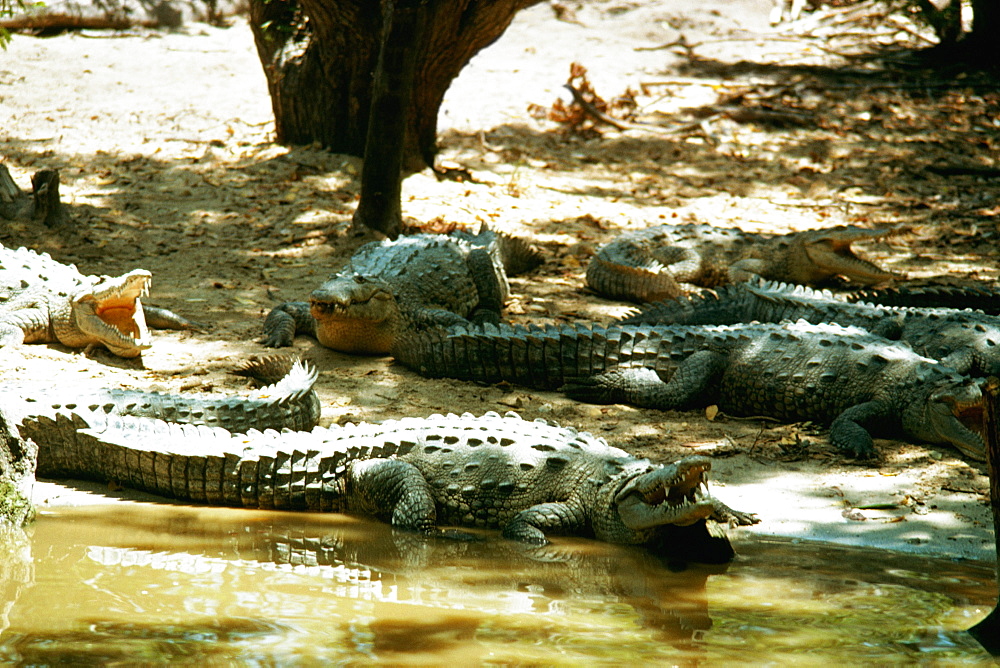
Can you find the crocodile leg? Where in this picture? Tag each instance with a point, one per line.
(24, 325)
(491, 293)
(285, 321)
(644, 387)
(847, 432)
(529, 525)
(392, 490)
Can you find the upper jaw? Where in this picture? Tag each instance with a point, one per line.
(840, 259)
(351, 297)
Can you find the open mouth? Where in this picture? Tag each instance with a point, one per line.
(111, 312)
(674, 494)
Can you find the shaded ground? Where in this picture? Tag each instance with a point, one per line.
(163, 142)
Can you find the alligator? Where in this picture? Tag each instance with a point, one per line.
(841, 376)
(668, 260)
(44, 301)
(412, 282)
(967, 341)
(289, 403)
(492, 472)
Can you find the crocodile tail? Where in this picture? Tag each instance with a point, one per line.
(519, 256)
(530, 356)
(266, 370)
(983, 297)
(196, 463)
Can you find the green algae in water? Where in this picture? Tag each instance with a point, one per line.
(15, 507)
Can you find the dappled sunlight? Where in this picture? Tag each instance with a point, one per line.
(178, 174)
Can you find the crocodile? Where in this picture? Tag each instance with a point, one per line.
(412, 282)
(968, 341)
(492, 472)
(45, 301)
(842, 376)
(984, 296)
(667, 260)
(288, 403)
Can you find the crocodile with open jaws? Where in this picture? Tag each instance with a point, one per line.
(45, 301)
(393, 286)
(967, 341)
(288, 403)
(841, 376)
(666, 260)
(493, 472)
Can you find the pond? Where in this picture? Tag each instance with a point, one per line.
(152, 583)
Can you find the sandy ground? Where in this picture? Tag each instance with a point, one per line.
(164, 142)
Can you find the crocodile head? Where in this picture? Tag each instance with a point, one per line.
(356, 314)
(108, 312)
(819, 255)
(938, 417)
(674, 494)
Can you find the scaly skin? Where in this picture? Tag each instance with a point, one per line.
(394, 286)
(44, 301)
(983, 297)
(289, 403)
(665, 261)
(72, 309)
(524, 478)
(967, 341)
(844, 377)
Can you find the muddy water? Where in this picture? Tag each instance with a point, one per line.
(147, 583)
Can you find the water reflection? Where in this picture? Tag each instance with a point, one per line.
(142, 583)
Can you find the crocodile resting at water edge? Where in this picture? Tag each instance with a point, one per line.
(494, 472)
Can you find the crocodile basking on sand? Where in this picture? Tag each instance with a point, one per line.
(495, 472)
(983, 296)
(967, 341)
(666, 260)
(412, 282)
(841, 376)
(288, 403)
(44, 301)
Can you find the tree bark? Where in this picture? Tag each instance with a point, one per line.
(404, 28)
(320, 57)
(984, 39)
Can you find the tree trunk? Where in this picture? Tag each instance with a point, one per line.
(987, 632)
(404, 28)
(983, 41)
(320, 56)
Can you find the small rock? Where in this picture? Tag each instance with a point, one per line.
(512, 400)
